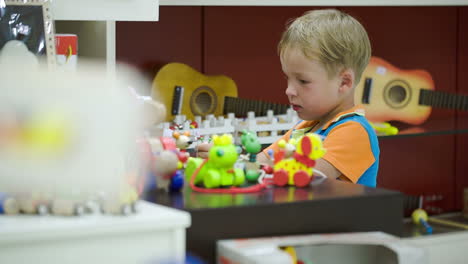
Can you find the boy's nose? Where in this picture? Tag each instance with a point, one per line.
(290, 91)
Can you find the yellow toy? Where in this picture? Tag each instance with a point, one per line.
(298, 169)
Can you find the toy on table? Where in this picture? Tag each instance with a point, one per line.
(218, 170)
(420, 217)
(384, 128)
(252, 146)
(298, 169)
(167, 163)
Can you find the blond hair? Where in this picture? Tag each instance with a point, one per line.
(337, 40)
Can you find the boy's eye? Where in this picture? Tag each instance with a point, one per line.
(303, 81)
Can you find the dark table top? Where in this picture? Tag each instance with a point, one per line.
(330, 207)
(328, 190)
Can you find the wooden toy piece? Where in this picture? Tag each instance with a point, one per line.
(420, 217)
(288, 147)
(182, 140)
(67, 207)
(298, 170)
(33, 203)
(8, 205)
(292, 252)
(167, 160)
(218, 171)
(251, 144)
(121, 203)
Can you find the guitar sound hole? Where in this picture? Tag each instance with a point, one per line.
(204, 102)
(397, 94)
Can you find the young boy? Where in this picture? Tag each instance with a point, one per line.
(323, 55)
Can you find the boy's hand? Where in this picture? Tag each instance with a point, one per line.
(203, 149)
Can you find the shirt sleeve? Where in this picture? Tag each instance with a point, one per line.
(349, 150)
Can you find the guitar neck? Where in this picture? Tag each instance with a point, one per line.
(443, 99)
(240, 107)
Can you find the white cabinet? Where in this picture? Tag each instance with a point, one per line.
(155, 234)
(444, 248)
(94, 23)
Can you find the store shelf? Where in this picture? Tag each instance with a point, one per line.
(312, 3)
(432, 127)
(94, 23)
(102, 10)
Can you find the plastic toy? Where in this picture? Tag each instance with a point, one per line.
(218, 170)
(298, 170)
(182, 141)
(251, 144)
(384, 128)
(420, 217)
(167, 162)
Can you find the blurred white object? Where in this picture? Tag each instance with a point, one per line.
(68, 135)
(15, 52)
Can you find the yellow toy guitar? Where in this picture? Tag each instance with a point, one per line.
(184, 90)
(389, 93)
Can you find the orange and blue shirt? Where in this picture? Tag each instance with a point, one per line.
(351, 144)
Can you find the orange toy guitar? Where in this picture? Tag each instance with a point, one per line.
(389, 93)
(183, 90)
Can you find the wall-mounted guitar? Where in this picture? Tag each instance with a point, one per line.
(389, 93)
(184, 90)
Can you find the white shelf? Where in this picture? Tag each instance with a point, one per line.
(94, 23)
(153, 235)
(313, 2)
(101, 10)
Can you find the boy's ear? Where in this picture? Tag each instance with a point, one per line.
(347, 80)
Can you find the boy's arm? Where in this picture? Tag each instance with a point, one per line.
(327, 168)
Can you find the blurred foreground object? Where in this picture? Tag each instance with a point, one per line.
(70, 138)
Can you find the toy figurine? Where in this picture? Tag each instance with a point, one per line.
(182, 141)
(167, 161)
(218, 170)
(251, 144)
(297, 170)
(288, 147)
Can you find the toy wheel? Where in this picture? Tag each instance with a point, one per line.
(301, 179)
(177, 182)
(280, 178)
(79, 209)
(239, 177)
(42, 209)
(212, 179)
(192, 165)
(126, 209)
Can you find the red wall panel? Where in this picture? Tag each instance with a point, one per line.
(462, 120)
(176, 37)
(241, 43)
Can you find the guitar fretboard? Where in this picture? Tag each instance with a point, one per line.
(443, 99)
(240, 107)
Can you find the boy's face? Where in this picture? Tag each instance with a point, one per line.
(311, 93)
